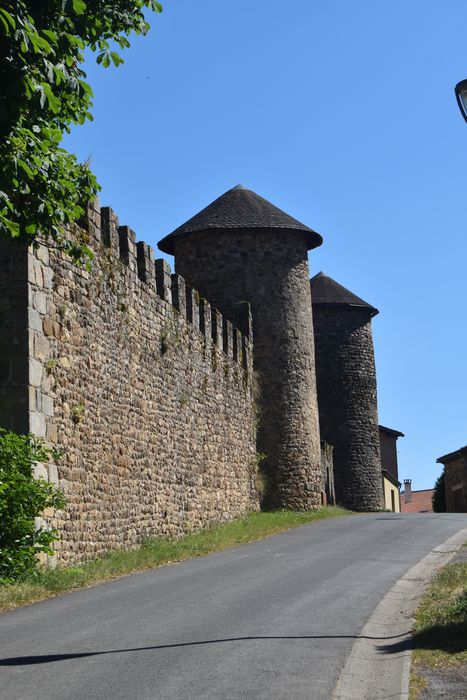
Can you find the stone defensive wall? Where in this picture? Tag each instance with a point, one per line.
(143, 385)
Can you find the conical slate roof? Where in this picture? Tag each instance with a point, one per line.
(326, 291)
(239, 208)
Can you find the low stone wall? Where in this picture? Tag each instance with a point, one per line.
(147, 390)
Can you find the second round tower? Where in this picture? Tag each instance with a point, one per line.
(346, 381)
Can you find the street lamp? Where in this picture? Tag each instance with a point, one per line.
(461, 97)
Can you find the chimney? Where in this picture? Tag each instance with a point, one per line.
(407, 490)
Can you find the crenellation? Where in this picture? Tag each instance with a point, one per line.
(163, 279)
(179, 294)
(242, 318)
(145, 262)
(227, 337)
(237, 345)
(127, 247)
(192, 306)
(246, 354)
(109, 231)
(205, 318)
(216, 327)
(92, 221)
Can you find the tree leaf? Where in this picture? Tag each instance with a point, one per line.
(79, 6)
(117, 60)
(7, 21)
(51, 36)
(25, 167)
(45, 185)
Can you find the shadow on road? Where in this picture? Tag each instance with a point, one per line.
(451, 639)
(50, 658)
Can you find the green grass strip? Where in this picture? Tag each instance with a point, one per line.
(440, 630)
(441, 620)
(156, 552)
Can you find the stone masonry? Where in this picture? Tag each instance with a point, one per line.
(148, 393)
(14, 370)
(240, 248)
(150, 384)
(346, 381)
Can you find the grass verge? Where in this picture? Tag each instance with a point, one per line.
(440, 631)
(156, 552)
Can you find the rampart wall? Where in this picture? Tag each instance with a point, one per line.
(145, 387)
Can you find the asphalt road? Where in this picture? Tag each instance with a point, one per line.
(274, 619)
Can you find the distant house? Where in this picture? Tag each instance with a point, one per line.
(416, 501)
(455, 471)
(391, 483)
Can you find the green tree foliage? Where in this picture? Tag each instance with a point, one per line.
(23, 498)
(439, 495)
(42, 93)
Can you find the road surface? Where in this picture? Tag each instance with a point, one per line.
(275, 619)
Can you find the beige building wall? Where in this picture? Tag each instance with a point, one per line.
(391, 496)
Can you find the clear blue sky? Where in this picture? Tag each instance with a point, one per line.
(342, 114)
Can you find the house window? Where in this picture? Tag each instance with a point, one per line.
(393, 501)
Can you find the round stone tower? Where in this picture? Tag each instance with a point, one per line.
(346, 382)
(242, 248)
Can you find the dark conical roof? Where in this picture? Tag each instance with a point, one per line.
(326, 291)
(239, 208)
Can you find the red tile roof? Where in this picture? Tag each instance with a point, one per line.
(421, 502)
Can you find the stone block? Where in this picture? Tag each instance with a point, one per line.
(42, 254)
(48, 276)
(40, 302)
(39, 471)
(34, 404)
(52, 432)
(37, 424)
(34, 320)
(48, 326)
(47, 405)
(53, 474)
(35, 372)
(41, 347)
